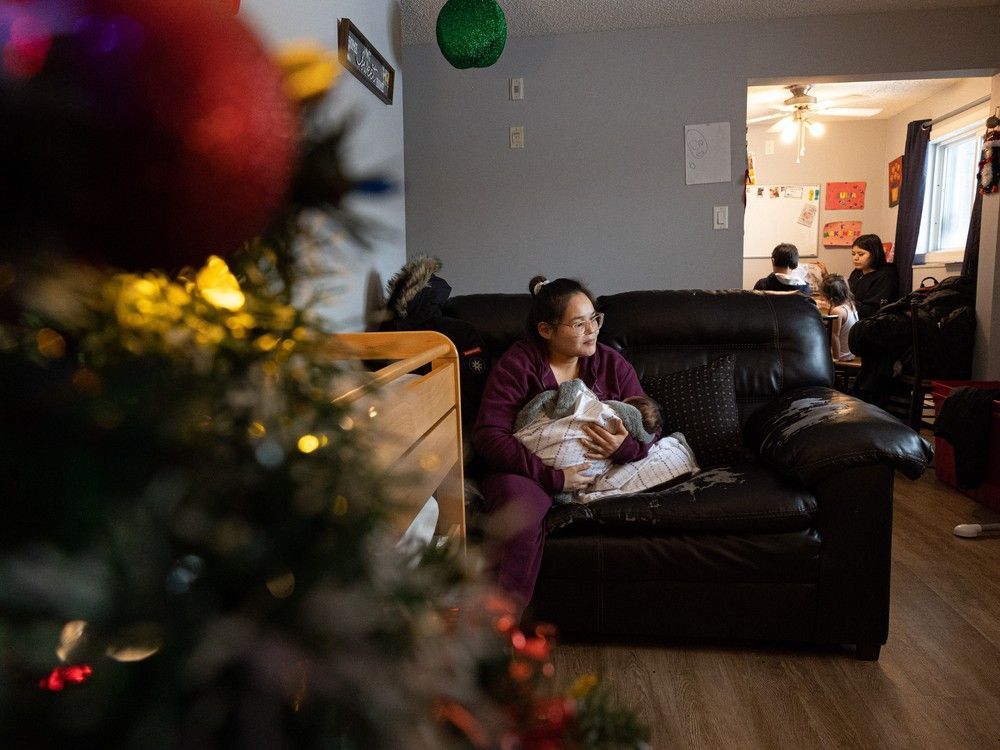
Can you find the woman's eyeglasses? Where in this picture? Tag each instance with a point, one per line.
(580, 327)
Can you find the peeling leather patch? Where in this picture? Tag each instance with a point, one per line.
(703, 480)
(802, 414)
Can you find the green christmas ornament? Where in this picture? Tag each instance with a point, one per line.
(471, 33)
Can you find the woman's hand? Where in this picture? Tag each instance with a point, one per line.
(573, 478)
(601, 442)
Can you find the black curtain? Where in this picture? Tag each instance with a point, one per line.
(911, 201)
(970, 261)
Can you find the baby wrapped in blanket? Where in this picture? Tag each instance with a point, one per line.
(551, 427)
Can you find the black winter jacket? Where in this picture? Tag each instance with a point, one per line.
(946, 319)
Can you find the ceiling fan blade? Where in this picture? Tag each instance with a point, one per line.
(765, 118)
(766, 96)
(850, 111)
(836, 101)
(780, 124)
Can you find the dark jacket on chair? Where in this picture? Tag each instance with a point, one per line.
(946, 329)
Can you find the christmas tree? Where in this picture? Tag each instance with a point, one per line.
(194, 551)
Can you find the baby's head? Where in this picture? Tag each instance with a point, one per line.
(652, 417)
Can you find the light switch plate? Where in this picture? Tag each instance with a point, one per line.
(720, 217)
(517, 136)
(768, 148)
(516, 89)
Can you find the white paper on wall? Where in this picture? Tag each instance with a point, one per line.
(808, 215)
(706, 153)
(774, 214)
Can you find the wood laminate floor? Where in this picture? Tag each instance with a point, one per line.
(936, 684)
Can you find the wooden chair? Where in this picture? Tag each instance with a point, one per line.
(911, 402)
(828, 325)
(845, 373)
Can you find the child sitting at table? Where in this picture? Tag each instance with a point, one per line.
(838, 292)
(784, 260)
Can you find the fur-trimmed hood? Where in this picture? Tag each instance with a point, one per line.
(415, 290)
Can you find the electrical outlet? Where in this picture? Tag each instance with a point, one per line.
(768, 148)
(517, 136)
(516, 89)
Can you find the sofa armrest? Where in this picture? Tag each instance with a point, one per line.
(811, 433)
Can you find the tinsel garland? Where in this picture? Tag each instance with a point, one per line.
(989, 165)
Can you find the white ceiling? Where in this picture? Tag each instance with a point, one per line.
(892, 97)
(538, 17)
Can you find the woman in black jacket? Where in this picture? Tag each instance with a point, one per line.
(873, 281)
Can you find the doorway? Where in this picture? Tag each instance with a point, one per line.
(817, 132)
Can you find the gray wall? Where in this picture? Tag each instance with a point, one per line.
(599, 190)
(352, 275)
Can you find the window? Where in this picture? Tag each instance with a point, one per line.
(951, 187)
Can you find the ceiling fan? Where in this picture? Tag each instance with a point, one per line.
(793, 115)
(801, 101)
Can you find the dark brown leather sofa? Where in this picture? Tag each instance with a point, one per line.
(791, 543)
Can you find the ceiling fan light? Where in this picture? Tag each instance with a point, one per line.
(789, 131)
(816, 129)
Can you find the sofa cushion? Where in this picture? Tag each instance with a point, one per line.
(786, 557)
(745, 498)
(701, 403)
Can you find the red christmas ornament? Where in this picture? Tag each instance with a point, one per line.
(59, 676)
(550, 720)
(535, 648)
(152, 134)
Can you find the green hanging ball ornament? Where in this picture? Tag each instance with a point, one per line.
(471, 33)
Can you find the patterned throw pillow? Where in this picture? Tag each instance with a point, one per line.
(701, 403)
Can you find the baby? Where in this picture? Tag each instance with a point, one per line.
(649, 412)
(551, 426)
